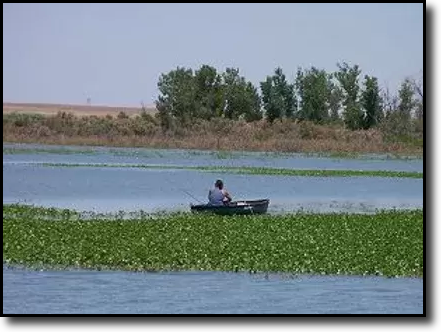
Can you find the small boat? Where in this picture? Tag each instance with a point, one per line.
(259, 206)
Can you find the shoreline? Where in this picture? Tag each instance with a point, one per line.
(287, 274)
(138, 129)
(210, 145)
(56, 148)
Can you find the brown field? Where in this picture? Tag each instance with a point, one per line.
(78, 110)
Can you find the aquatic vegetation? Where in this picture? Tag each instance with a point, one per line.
(313, 172)
(256, 170)
(389, 243)
(55, 150)
(189, 153)
(19, 211)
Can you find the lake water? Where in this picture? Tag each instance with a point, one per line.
(101, 189)
(204, 158)
(115, 292)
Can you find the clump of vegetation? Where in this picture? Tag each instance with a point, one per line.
(258, 170)
(387, 243)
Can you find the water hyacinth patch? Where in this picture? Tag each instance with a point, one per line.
(255, 170)
(386, 243)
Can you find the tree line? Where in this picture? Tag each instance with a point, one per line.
(315, 95)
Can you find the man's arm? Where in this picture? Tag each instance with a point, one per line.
(227, 195)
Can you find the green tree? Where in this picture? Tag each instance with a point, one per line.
(177, 96)
(313, 89)
(348, 78)
(209, 95)
(164, 114)
(278, 96)
(406, 100)
(252, 107)
(371, 102)
(272, 102)
(335, 97)
(241, 98)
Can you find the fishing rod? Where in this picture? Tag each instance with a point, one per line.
(185, 191)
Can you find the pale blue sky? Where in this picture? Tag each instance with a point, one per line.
(114, 53)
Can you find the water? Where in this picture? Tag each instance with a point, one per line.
(113, 189)
(101, 189)
(115, 292)
(205, 158)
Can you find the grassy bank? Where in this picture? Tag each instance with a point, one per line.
(257, 170)
(387, 243)
(219, 134)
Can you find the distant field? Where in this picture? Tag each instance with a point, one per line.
(80, 110)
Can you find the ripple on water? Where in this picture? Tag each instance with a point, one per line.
(88, 292)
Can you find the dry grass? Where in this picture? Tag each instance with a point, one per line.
(218, 134)
(77, 110)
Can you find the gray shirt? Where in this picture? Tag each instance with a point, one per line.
(216, 197)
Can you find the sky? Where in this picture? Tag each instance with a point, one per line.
(115, 53)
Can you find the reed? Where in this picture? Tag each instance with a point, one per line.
(145, 131)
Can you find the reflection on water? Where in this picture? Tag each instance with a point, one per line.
(116, 292)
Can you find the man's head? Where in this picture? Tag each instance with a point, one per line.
(219, 184)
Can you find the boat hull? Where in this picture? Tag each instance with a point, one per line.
(235, 208)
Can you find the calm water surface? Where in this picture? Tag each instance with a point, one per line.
(204, 158)
(105, 292)
(103, 189)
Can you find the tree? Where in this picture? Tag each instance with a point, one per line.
(241, 97)
(406, 100)
(348, 78)
(208, 95)
(272, 102)
(278, 96)
(286, 93)
(371, 102)
(231, 88)
(252, 109)
(335, 97)
(313, 89)
(177, 95)
(390, 103)
(164, 114)
(418, 86)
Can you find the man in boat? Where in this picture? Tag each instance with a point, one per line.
(218, 195)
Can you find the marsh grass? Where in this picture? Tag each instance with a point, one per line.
(145, 131)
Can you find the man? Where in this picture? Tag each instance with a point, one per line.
(218, 195)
